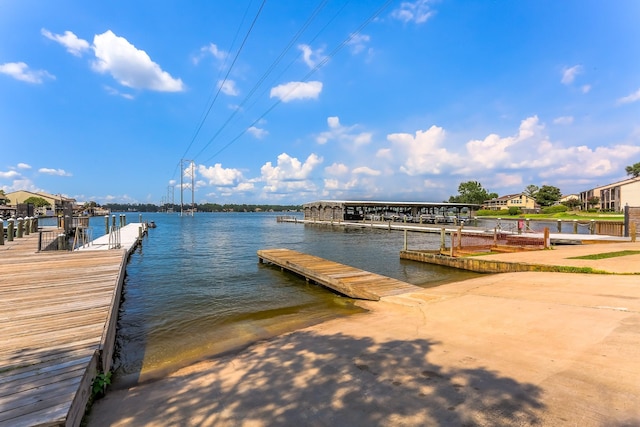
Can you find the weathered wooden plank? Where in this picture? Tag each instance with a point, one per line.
(54, 310)
(347, 280)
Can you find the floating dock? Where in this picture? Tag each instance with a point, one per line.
(58, 314)
(349, 281)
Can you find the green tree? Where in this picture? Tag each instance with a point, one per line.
(3, 198)
(471, 192)
(37, 201)
(633, 170)
(592, 201)
(547, 195)
(531, 190)
(572, 203)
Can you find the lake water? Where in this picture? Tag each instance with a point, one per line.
(194, 288)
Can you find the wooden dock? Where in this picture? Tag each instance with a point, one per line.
(58, 314)
(349, 281)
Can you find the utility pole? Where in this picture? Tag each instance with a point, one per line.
(192, 172)
(170, 198)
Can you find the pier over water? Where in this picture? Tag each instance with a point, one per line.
(58, 314)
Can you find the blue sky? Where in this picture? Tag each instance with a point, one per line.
(290, 102)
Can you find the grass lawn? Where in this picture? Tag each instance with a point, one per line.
(607, 255)
(580, 216)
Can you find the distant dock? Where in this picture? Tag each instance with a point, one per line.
(349, 281)
(58, 314)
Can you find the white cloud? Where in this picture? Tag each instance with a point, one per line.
(70, 41)
(586, 88)
(364, 170)
(257, 132)
(343, 134)
(130, 66)
(20, 71)
(418, 11)
(634, 97)
(290, 168)
(217, 175)
(20, 184)
(358, 42)
(494, 151)
(569, 74)
(9, 174)
(337, 169)
(423, 153)
(290, 174)
(24, 166)
(56, 172)
(502, 180)
(297, 90)
(228, 87)
(563, 120)
(211, 49)
(115, 92)
(311, 57)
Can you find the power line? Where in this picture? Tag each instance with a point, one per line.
(307, 76)
(220, 86)
(271, 67)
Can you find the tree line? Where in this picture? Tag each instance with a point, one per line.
(203, 207)
(472, 192)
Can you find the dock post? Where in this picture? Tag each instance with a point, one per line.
(34, 225)
(140, 233)
(389, 225)
(27, 226)
(106, 224)
(10, 227)
(140, 218)
(1, 232)
(443, 243)
(113, 221)
(592, 227)
(61, 245)
(459, 238)
(20, 228)
(559, 226)
(405, 239)
(527, 222)
(575, 226)
(547, 239)
(124, 220)
(495, 237)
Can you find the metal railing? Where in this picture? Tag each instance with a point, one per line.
(52, 240)
(114, 237)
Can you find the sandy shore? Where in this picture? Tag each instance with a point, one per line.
(512, 349)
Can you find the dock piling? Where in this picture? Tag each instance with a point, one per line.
(10, 227)
(2, 233)
(20, 231)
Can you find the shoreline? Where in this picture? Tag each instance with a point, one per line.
(505, 349)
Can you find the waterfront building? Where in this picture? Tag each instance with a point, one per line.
(58, 204)
(613, 197)
(521, 201)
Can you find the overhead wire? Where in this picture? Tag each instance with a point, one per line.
(205, 115)
(307, 76)
(271, 67)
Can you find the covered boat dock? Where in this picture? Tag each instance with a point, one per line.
(419, 212)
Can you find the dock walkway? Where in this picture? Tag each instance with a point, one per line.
(350, 281)
(58, 314)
